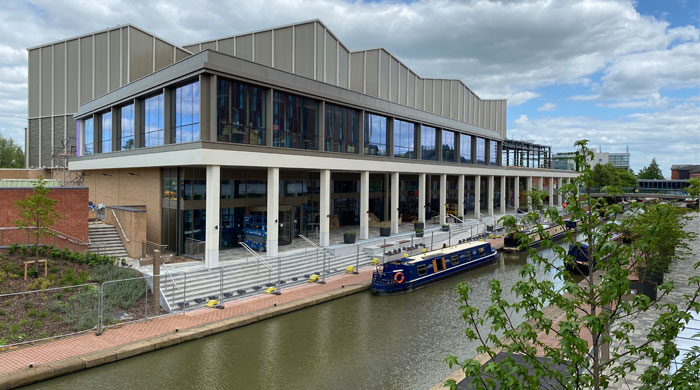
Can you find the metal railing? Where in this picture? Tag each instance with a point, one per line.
(55, 234)
(259, 259)
(120, 225)
(148, 247)
(194, 248)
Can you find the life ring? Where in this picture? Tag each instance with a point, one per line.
(399, 278)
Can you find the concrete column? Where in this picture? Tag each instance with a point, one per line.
(325, 208)
(541, 186)
(551, 191)
(489, 200)
(395, 203)
(211, 242)
(460, 196)
(364, 205)
(273, 210)
(477, 196)
(443, 198)
(387, 198)
(529, 191)
(503, 194)
(516, 193)
(421, 197)
(559, 196)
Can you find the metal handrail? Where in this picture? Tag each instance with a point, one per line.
(120, 226)
(60, 235)
(256, 255)
(313, 244)
(456, 217)
(170, 275)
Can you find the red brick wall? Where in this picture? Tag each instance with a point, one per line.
(72, 205)
(675, 175)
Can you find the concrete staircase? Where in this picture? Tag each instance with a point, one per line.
(104, 239)
(242, 278)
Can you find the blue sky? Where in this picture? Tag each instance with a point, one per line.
(617, 72)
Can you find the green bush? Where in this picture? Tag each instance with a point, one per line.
(43, 314)
(12, 249)
(31, 313)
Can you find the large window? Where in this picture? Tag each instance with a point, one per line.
(240, 113)
(89, 143)
(186, 114)
(465, 148)
(153, 121)
(404, 139)
(493, 152)
(106, 141)
(375, 135)
(427, 141)
(295, 121)
(480, 150)
(448, 145)
(127, 127)
(342, 129)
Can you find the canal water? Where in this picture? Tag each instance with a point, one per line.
(357, 342)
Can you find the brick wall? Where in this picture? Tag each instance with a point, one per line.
(72, 204)
(24, 173)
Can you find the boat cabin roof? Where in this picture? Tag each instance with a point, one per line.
(445, 251)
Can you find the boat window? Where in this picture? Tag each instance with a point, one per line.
(455, 260)
(469, 255)
(482, 251)
(421, 270)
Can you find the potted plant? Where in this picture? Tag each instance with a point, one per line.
(445, 228)
(418, 226)
(385, 229)
(349, 237)
(419, 232)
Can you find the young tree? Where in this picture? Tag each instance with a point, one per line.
(37, 214)
(651, 172)
(589, 310)
(693, 188)
(11, 155)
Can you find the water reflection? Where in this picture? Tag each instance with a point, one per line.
(357, 342)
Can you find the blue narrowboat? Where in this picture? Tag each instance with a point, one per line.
(579, 252)
(410, 273)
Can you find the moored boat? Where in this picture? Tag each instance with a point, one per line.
(579, 252)
(410, 273)
(511, 242)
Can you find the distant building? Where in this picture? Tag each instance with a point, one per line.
(565, 161)
(680, 172)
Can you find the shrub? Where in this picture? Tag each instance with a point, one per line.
(40, 284)
(36, 324)
(3, 276)
(31, 313)
(23, 322)
(12, 249)
(28, 304)
(33, 272)
(56, 306)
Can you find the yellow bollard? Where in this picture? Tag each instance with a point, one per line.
(212, 303)
(423, 250)
(270, 290)
(405, 255)
(350, 269)
(375, 261)
(314, 278)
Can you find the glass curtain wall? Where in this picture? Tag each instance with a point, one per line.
(448, 146)
(480, 150)
(295, 121)
(153, 121)
(375, 135)
(186, 114)
(465, 148)
(127, 127)
(427, 141)
(342, 129)
(493, 153)
(106, 141)
(404, 139)
(89, 143)
(240, 113)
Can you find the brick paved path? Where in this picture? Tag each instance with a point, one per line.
(680, 272)
(16, 359)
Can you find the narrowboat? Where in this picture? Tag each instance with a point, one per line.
(511, 242)
(579, 252)
(410, 273)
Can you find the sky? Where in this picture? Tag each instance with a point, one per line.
(618, 73)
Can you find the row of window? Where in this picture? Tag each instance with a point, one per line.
(241, 118)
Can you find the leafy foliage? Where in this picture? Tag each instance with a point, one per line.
(693, 188)
(588, 309)
(604, 175)
(36, 213)
(651, 172)
(11, 155)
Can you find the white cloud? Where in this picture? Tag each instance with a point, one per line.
(547, 107)
(671, 135)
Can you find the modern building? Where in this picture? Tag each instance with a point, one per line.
(684, 172)
(283, 130)
(565, 161)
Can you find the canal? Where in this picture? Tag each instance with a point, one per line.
(357, 342)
